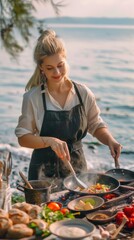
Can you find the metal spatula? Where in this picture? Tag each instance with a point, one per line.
(79, 182)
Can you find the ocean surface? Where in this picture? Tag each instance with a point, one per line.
(100, 56)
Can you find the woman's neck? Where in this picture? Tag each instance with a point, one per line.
(63, 86)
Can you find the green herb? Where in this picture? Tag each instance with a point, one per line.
(17, 198)
(46, 233)
(32, 225)
(39, 232)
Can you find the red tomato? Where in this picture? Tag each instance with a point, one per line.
(119, 217)
(64, 211)
(128, 210)
(53, 206)
(132, 215)
(130, 223)
(110, 196)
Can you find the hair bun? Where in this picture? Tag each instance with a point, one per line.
(47, 34)
(51, 33)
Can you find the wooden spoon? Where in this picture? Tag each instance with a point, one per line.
(25, 180)
(119, 228)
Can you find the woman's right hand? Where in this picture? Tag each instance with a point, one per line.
(58, 146)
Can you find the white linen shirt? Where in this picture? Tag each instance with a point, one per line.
(32, 115)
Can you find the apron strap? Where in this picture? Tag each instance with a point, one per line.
(76, 89)
(79, 96)
(43, 97)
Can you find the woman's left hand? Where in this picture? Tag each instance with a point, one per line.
(115, 149)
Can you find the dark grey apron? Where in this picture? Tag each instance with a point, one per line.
(69, 126)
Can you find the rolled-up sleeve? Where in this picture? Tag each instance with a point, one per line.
(26, 122)
(93, 115)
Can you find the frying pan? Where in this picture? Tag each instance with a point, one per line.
(124, 176)
(91, 179)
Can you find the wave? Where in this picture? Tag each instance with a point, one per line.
(15, 151)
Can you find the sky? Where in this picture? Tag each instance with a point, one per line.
(87, 8)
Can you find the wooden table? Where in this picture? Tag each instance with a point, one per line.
(57, 195)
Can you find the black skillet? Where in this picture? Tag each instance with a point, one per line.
(91, 179)
(124, 176)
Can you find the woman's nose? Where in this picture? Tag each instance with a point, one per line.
(56, 70)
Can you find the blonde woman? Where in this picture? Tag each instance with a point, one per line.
(57, 113)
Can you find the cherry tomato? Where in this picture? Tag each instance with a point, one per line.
(64, 211)
(119, 217)
(128, 210)
(53, 206)
(110, 196)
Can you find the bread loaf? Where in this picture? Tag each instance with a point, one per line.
(5, 224)
(18, 216)
(19, 231)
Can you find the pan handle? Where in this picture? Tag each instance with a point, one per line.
(20, 187)
(116, 161)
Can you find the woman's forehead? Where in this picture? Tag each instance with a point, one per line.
(54, 59)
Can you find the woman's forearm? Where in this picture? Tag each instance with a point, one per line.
(104, 136)
(35, 142)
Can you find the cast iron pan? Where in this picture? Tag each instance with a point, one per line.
(124, 176)
(91, 179)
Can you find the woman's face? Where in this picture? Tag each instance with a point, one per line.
(54, 67)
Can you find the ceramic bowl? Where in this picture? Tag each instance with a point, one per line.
(101, 216)
(96, 202)
(73, 229)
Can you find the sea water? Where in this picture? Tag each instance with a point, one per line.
(102, 57)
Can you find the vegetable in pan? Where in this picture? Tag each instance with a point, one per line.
(97, 188)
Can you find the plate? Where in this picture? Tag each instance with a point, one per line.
(73, 229)
(96, 201)
(110, 216)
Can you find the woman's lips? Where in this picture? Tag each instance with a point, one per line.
(57, 77)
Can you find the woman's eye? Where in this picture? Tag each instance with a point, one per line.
(49, 68)
(60, 66)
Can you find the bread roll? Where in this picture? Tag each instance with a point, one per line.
(41, 224)
(5, 224)
(34, 211)
(18, 216)
(19, 231)
(3, 214)
(22, 206)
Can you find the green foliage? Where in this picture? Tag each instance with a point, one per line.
(16, 197)
(17, 16)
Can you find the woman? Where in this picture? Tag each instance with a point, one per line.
(56, 115)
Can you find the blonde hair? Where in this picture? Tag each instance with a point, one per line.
(48, 44)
